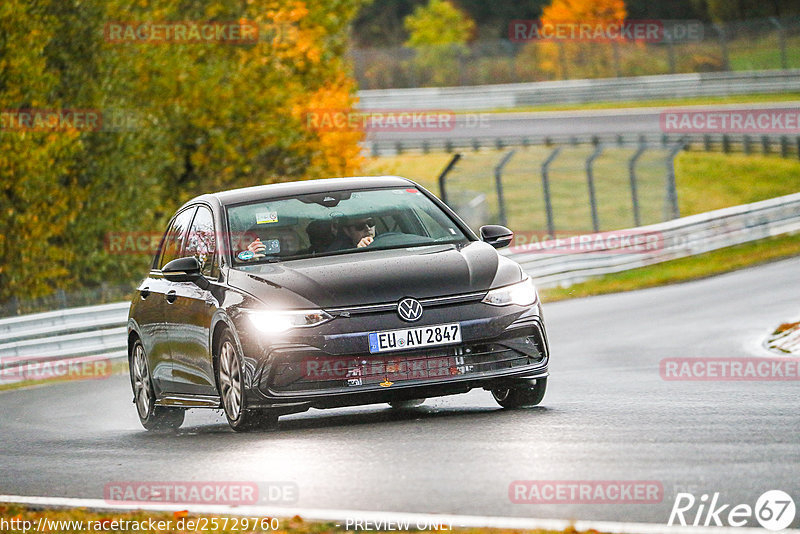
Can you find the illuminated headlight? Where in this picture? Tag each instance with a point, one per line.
(521, 294)
(273, 322)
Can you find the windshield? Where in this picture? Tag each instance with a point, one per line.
(337, 223)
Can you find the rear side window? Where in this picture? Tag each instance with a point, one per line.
(174, 240)
(202, 242)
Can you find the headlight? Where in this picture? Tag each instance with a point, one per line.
(273, 322)
(521, 294)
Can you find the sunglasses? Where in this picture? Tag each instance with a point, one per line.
(362, 226)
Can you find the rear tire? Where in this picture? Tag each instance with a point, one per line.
(520, 397)
(406, 404)
(153, 418)
(230, 380)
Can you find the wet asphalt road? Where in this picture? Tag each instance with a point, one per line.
(608, 415)
(583, 123)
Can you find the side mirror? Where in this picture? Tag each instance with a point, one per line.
(184, 270)
(496, 235)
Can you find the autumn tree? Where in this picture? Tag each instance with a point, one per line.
(37, 195)
(573, 57)
(181, 119)
(439, 32)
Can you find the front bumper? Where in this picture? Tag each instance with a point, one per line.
(333, 367)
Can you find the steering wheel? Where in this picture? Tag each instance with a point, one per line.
(383, 236)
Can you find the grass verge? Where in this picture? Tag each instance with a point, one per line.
(117, 368)
(705, 182)
(83, 521)
(684, 269)
(655, 103)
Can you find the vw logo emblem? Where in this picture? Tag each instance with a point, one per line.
(409, 310)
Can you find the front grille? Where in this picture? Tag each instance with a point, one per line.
(294, 371)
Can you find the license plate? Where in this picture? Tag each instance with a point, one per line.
(413, 338)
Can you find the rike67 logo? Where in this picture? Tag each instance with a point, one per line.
(774, 510)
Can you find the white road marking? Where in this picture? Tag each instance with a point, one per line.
(340, 517)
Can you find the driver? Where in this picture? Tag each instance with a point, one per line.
(357, 232)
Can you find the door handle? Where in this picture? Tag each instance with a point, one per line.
(171, 296)
(145, 292)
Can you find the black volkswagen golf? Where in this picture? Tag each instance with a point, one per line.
(275, 299)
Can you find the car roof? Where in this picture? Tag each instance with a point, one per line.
(235, 196)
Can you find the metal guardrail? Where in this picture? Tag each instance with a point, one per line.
(487, 97)
(784, 145)
(680, 238)
(100, 330)
(68, 333)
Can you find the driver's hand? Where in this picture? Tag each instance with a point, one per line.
(365, 242)
(258, 248)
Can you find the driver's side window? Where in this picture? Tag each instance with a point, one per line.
(173, 244)
(202, 242)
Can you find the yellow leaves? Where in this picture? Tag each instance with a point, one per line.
(579, 58)
(337, 151)
(584, 11)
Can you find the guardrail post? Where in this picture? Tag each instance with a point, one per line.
(590, 184)
(671, 210)
(784, 146)
(726, 143)
(670, 53)
(781, 41)
(797, 146)
(634, 191)
(443, 176)
(707, 143)
(548, 207)
(562, 56)
(498, 182)
(765, 148)
(615, 53)
(723, 43)
(746, 141)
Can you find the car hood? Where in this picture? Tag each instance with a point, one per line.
(378, 276)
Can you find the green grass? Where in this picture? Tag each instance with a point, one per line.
(684, 269)
(709, 181)
(763, 53)
(661, 102)
(705, 182)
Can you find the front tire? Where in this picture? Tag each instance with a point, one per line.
(153, 418)
(230, 379)
(520, 397)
